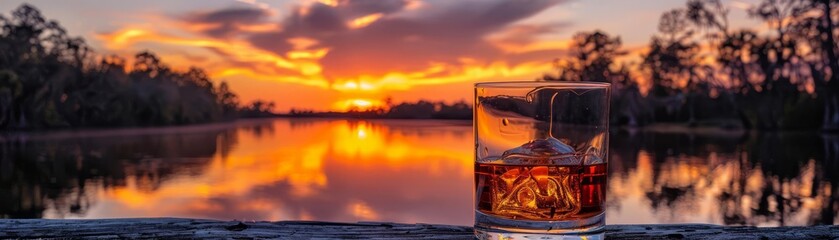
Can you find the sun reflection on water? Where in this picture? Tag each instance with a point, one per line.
(305, 161)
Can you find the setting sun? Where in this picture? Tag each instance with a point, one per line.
(358, 105)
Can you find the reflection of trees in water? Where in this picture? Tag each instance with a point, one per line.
(63, 175)
(766, 178)
(828, 175)
(258, 128)
(754, 179)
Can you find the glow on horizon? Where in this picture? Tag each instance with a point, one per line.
(238, 61)
(304, 62)
(358, 104)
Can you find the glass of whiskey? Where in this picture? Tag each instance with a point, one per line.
(540, 159)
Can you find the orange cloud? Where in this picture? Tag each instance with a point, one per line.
(364, 21)
(310, 71)
(307, 54)
(362, 211)
(301, 43)
(231, 50)
(331, 3)
(334, 46)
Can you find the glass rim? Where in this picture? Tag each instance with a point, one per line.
(535, 84)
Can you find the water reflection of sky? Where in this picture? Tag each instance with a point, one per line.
(401, 171)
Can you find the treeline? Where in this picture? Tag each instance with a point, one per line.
(51, 80)
(704, 72)
(407, 110)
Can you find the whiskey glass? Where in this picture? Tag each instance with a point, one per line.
(541, 151)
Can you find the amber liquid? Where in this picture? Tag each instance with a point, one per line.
(540, 192)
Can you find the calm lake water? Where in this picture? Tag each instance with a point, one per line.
(400, 171)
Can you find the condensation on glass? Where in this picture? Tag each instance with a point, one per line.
(540, 159)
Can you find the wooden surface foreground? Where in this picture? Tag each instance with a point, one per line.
(168, 228)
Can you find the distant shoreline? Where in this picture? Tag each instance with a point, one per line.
(360, 116)
(58, 133)
(51, 134)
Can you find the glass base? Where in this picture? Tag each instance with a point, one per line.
(492, 227)
(489, 235)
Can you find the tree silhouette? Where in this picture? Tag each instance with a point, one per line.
(49, 79)
(700, 71)
(817, 25)
(592, 57)
(697, 69)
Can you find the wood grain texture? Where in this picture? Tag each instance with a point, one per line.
(169, 228)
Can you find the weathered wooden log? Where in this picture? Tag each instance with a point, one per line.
(198, 228)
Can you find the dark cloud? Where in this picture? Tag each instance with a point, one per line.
(361, 8)
(402, 40)
(526, 33)
(320, 19)
(226, 21)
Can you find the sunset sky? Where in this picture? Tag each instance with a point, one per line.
(333, 54)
